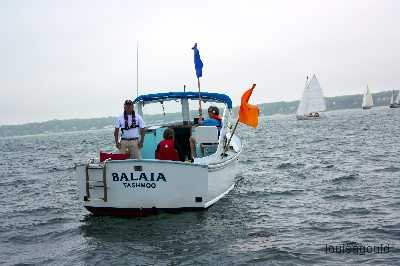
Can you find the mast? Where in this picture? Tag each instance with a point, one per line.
(137, 69)
(198, 85)
(198, 65)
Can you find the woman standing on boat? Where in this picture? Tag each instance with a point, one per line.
(129, 123)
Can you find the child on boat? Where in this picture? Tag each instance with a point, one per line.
(166, 148)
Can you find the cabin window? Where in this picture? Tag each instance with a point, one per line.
(159, 115)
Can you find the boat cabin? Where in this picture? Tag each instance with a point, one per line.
(183, 120)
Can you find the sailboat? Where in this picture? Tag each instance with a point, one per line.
(395, 103)
(312, 101)
(367, 101)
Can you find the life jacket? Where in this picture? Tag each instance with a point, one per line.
(218, 118)
(132, 125)
(166, 151)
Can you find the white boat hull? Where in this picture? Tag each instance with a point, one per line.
(140, 187)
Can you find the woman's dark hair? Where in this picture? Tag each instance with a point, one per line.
(214, 110)
(168, 133)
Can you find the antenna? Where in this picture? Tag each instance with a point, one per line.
(137, 69)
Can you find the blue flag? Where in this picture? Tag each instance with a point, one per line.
(198, 64)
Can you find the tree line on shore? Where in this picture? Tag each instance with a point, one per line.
(68, 125)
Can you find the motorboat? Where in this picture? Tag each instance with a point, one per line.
(132, 187)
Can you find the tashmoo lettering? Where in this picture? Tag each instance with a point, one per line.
(145, 185)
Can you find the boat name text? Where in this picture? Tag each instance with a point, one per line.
(143, 180)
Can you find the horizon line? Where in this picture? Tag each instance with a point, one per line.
(77, 118)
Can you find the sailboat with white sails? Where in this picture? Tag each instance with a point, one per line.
(367, 101)
(312, 102)
(395, 103)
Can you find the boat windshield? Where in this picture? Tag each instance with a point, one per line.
(170, 112)
(161, 115)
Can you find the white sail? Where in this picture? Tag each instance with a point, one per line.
(367, 99)
(398, 97)
(392, 98)
(301, 109)
(313, 98)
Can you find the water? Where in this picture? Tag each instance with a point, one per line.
(303, 185)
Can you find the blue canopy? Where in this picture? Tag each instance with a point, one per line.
(206, 96)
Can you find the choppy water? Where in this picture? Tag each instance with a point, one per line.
(303, 184)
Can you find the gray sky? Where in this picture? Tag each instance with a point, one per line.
(77, 59)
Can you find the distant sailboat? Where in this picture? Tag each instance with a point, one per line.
(395, 103)
(367, 101)
(312, 101)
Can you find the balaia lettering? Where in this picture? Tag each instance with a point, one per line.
(143, 177)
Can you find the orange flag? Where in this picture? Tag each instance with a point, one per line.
(248, 113)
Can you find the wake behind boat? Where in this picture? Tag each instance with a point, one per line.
(312, 102)
(137, 187)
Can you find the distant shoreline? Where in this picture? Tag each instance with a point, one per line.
(81, 124)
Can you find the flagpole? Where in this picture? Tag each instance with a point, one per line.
(198, 64)
(137, 69)
(237, 122)
(198, 85)
(230, 138)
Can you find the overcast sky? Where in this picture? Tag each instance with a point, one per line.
(77, 59)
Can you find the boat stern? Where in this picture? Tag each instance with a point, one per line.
(142, 185)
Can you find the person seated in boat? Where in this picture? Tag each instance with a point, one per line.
(213, 120)
(316, 114)
(131, 126)
(166, 149)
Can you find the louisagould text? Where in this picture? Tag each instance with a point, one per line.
(139, 180)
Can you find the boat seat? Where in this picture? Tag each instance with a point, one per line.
(207, 138)
(206, 134)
